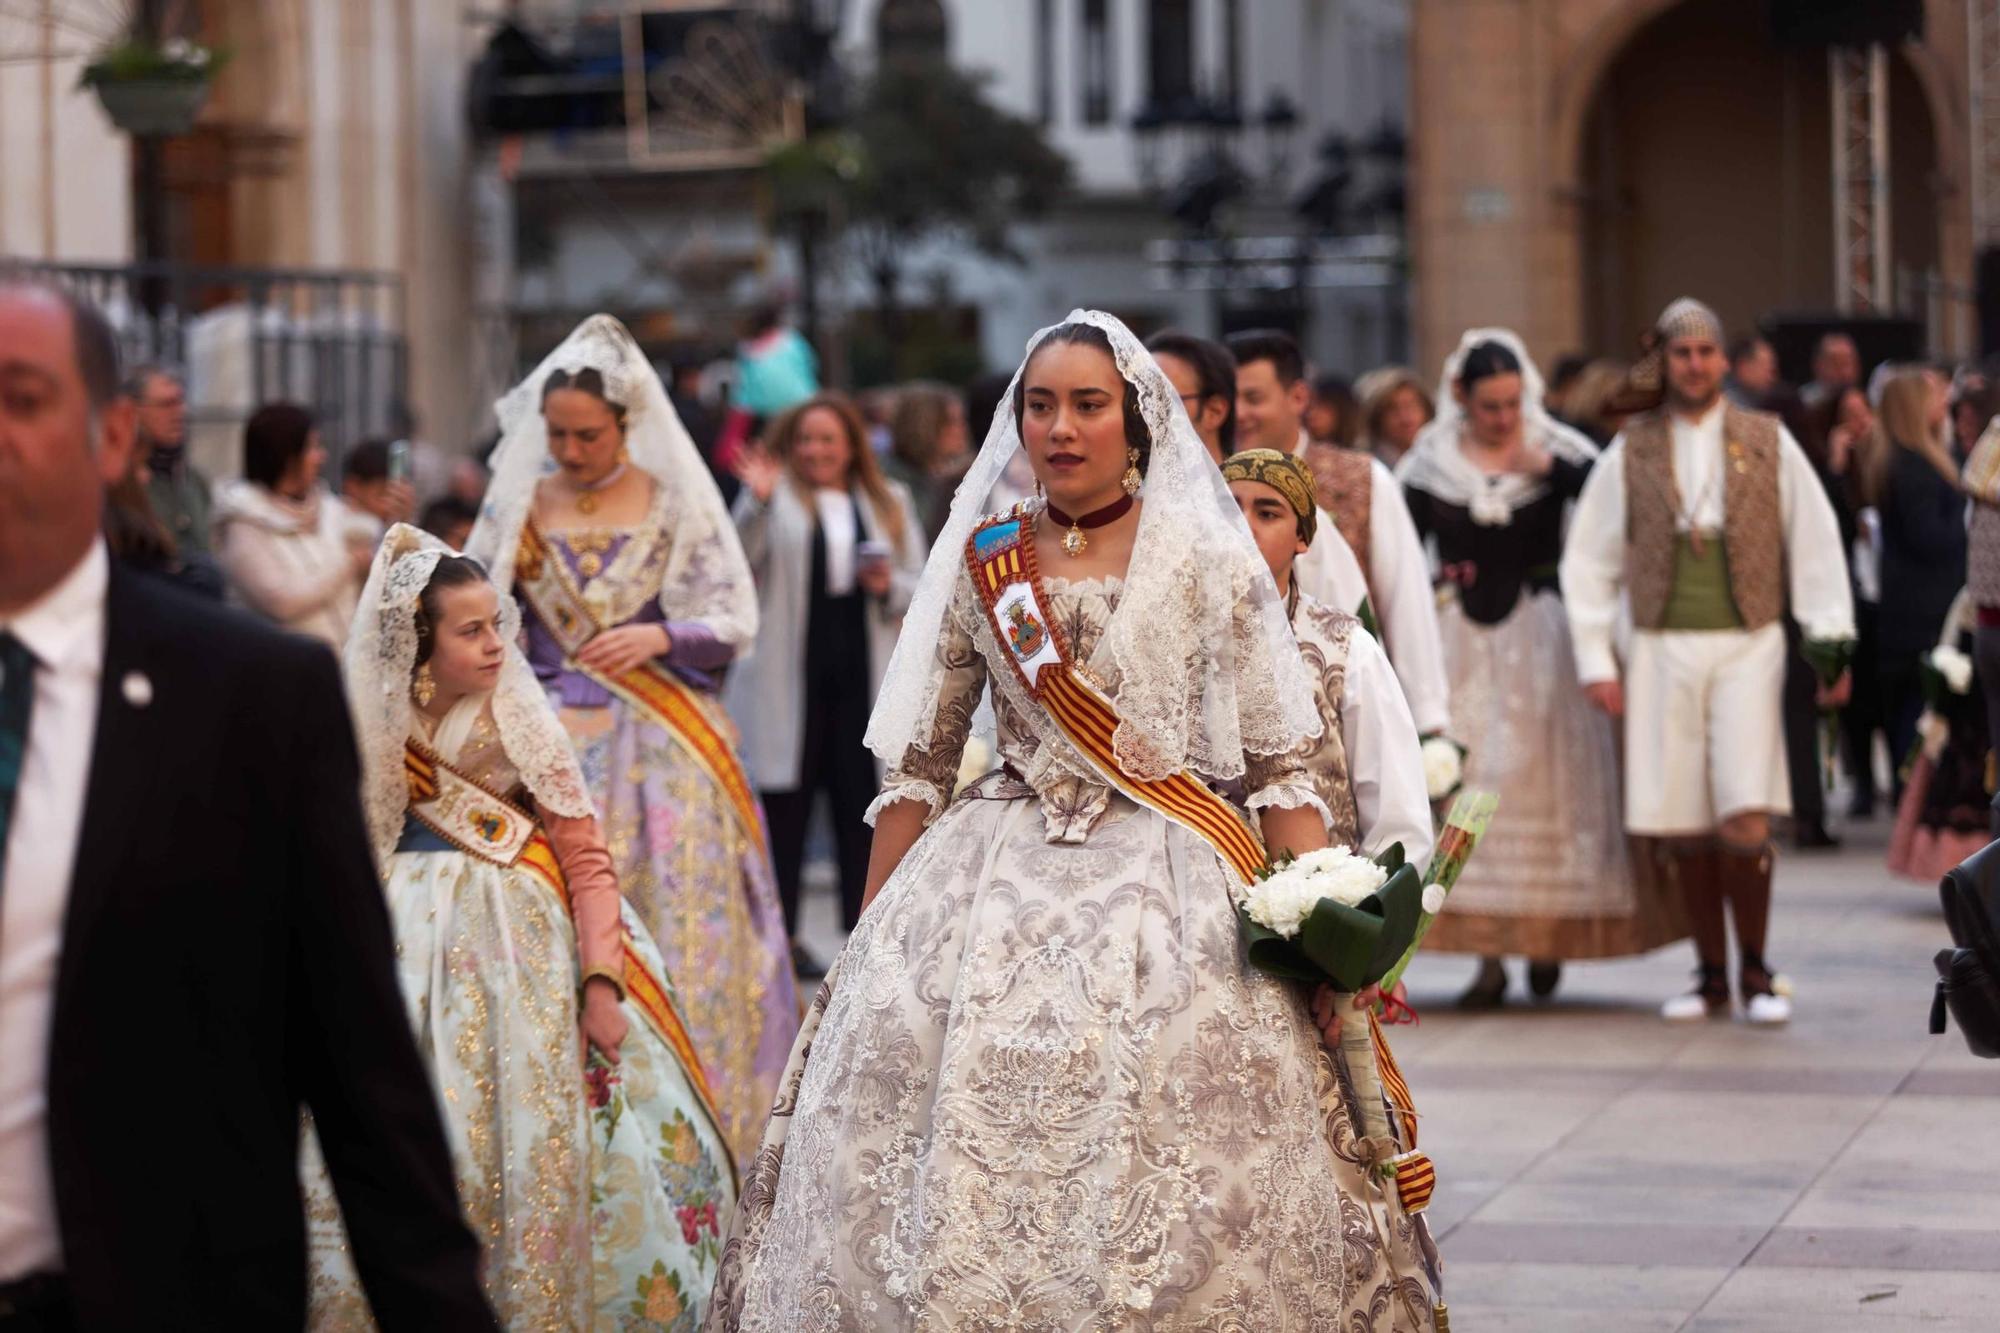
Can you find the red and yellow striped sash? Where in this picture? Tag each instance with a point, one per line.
(695, 722)
(644, 989)
(428, 776)
(1001, 556)
(420, 771)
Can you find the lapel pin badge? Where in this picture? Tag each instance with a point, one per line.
(137, 688)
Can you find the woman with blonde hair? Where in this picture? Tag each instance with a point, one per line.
(1908, 474)
(1394, 407)
(836, 551)
(1588, 403)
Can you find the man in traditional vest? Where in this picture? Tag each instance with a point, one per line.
(1367, 510)
(1708, 518)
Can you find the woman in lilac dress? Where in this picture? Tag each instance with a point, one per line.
(604, 522)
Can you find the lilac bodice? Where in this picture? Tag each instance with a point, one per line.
(697, 656)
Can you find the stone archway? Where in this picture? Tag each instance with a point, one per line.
(1690, 154)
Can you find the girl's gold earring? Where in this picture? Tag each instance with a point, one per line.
(425, 687)
(1132, 481)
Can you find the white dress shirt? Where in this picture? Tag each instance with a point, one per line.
(1328, 572)
(65, 633)
(836, 525)
(1593, 562)
(1399, 574)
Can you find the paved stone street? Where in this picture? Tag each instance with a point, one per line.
(1602, 1170)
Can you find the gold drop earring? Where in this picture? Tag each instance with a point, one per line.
(425, 687)
(1132, 480)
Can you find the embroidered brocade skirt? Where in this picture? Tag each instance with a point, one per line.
(1555, 876)
(1039, 1090)
(599, 1194)
(704, 890)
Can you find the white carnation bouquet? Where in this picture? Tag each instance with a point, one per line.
(1337, 917)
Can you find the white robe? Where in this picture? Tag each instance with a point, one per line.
(1400, 594)
(1385, 763)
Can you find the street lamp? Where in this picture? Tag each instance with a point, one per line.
(1280, 123)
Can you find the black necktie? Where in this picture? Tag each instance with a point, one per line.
(17, 692)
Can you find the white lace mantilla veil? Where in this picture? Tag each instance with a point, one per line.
(1436, 464)
(706, 578)
(1190, 692)
(382, 654)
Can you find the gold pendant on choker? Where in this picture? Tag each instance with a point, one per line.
(1074, 542)
(586, 503)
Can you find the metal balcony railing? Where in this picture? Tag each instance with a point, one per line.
(331, 340)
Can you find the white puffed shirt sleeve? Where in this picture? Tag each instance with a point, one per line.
(1384, 757)
(1822, 597)
(1405, 606)
(1593, 567)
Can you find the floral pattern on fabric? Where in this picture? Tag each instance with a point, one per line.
(700, 884)
(559, 1160)
(1039, 1090)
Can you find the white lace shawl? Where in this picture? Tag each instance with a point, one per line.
(1191, 691)
(1437, 465)
(381, 657)
(706, 578)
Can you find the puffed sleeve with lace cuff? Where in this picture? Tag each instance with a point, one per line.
(928, 771)
(1280, 782)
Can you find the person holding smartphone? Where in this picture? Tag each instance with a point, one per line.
(837, 550)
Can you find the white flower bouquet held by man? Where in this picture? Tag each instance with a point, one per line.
(1444, 767)
(1952, 669)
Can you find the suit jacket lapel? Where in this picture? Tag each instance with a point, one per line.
(115, 796)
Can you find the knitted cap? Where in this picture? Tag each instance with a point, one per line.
(1689, 318)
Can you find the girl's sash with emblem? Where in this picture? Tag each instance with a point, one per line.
(1007, 575)
(484, 824)
(695, 722)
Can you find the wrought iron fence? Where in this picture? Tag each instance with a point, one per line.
(331, 340)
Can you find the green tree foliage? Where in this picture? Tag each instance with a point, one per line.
(925, 156)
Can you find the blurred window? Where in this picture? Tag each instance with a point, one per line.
(1170, 50)
(1045, 61)
(1095, 55)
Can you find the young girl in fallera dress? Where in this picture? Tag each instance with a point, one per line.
(589, 1161)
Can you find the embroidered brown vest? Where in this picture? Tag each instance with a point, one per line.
(1345, 482)
(1324, 635)
(1753, 533)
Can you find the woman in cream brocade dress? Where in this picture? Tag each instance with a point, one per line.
(1039, 1089)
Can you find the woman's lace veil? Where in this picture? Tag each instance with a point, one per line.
(1438, 466)
(1191, 690)
(706, 578)
(380, 659)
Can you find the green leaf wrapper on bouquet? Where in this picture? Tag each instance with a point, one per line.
(1332, 916)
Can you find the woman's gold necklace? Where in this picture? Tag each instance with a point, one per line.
(586, 496)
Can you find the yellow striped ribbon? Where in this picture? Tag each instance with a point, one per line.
(1416, 1180)
(645, 990)
(999, 557)
(684, 714)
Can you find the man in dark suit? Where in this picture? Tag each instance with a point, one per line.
(193, 944)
